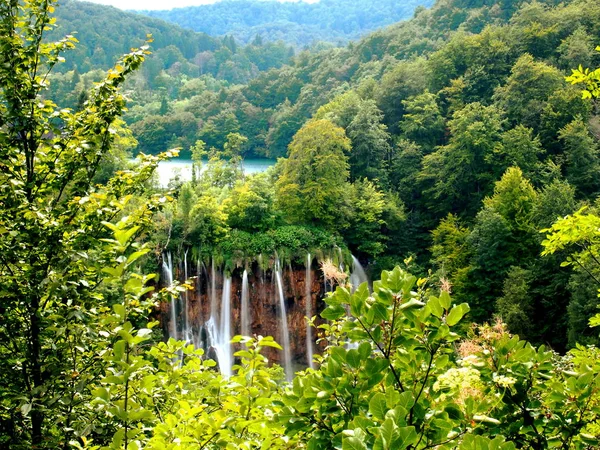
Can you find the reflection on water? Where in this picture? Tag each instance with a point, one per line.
(183, 168)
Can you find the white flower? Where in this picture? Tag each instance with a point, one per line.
(504, 381)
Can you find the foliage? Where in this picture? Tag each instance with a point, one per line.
(299, 24)
(408, 380)
(310, 189)
(53, 222)
(590, 78)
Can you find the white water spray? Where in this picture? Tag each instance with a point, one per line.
(308, 310)
(285, 332)
(167, 267)
(245, 311)
(358, 275)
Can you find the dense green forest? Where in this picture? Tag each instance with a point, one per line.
(448, 120)
(105, 33)
(297, 23)
(456, 154)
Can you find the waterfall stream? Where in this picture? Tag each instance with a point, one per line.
(245, 318)
(285, 332)
(187, 332)
(308, 310)
(358, 275)
(222, 343)
(167, 267)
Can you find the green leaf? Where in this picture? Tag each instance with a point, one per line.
(389, 433)
(407, 436)
(456, 314)
(378, 406)
(445, 300)
(412, 303)
(353, 443)
(119, 309)
(353, 358)
(136, 255)
(123, 236)
(113, 379)
(436, 307)
(119, 349)
(333, 312)
(25, 409)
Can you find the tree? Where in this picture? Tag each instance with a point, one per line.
(370, 143)
(250, 206)
(312, 185)
(52, 222)
(422, 121)
(582, 161)
(457, 176)
(524, 95)
(519, 148)
(366, 218)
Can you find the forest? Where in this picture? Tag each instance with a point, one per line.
(297, 23)
(455, 156)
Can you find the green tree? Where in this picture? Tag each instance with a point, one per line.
(515, 307)
(582, 158)
(457, 176)
(365, 218)
(590, 78)
(52, 222)
(312, 185)
(518, 147)
(370, 143)
(250, 205)
(422, 122)
(526, 91)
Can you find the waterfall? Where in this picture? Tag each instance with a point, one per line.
(358, 275)
(213, 293)
(245, 311)
(220, 335)
(308, 310)
(187, 332)
(198, 338)
(340, 259)
(168, 274)
(285, 332)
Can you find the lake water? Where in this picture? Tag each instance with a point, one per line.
(183, 167)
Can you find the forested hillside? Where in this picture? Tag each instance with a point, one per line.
(105, 33)
(444, 113)
(450, 118)
(455, 155)
(297, 23)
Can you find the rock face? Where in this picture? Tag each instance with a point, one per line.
(196, 307)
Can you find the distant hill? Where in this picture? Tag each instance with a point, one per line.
(300, 23)
(105, 33)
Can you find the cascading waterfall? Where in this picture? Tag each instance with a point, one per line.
(199, 270)
(167, 267)
(245, 311)
(285, 332)
(220, 335)
(205, 316)
(213, 293)
(308, 309)
(358, 275)
(187, 332)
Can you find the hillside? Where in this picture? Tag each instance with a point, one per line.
(419, 270)
(105, 33)
(297, 23)
(438, 110)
